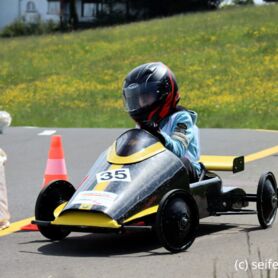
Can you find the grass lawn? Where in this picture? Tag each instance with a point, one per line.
(226, 64)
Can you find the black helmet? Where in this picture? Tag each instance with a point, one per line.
(150, 92)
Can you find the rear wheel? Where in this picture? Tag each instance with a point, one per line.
(177, 221)
(49, 199)
(267, 200)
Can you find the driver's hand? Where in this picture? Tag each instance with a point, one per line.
(154, 129)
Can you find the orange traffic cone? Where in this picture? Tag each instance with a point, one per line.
(30, 227)
(55, 169)
(56, 166)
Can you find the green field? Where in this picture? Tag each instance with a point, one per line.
(226, 64)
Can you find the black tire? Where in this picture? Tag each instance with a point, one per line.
(54, 194)
(267, 200)
(177, 221)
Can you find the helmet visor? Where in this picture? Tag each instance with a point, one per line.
(138, 96)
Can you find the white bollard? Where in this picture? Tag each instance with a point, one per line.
(4, 213)
(5, 120)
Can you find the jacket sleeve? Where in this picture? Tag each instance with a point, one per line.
(182, 134)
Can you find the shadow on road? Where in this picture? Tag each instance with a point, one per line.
(107, 245)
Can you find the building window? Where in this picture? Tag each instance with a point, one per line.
(53, 7)
(30, 7)
(89, 9)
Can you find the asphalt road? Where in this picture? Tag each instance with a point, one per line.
(222, 247)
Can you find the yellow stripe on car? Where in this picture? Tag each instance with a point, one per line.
(223, 163)
(142, 213)
(59, 209)
(102, 186)
(148, 152)
(90, 219)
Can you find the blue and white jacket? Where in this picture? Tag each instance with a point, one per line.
(182, 136)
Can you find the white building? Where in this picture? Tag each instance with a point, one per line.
(31, 10)
(10, 10)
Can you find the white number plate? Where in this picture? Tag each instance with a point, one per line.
(114, 175)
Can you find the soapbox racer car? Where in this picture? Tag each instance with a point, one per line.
(137, 184)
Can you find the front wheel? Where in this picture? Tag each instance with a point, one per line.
(49, 199)
(177, 221)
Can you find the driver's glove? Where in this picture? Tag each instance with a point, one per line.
(154, 129)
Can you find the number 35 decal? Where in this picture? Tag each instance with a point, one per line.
(114, 175)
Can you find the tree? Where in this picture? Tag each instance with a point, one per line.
(73, 18)
(62, 14)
